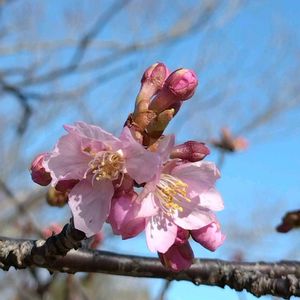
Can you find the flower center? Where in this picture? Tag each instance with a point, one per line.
(172, 193)
(107, 165)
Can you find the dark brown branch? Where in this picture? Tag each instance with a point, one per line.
(279, 279)
(57, 245)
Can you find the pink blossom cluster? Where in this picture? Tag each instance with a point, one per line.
(140, 181)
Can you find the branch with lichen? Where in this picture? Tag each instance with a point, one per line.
(57, 254)
(280, 279)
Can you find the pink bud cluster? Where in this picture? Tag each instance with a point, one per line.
(140, 181)
(161, 96)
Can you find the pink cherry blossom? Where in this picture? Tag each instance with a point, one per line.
(181, 195)
(98, 160)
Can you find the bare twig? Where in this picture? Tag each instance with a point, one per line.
(28, 46)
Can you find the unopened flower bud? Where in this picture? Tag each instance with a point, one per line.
(38, 172)
(156, 75)
(180, 255)
(190, 151)
(182, 83)
(209, 236)
(179, 86)
(152, 81)
(56, 198)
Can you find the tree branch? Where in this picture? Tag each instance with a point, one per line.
(181, 30)
(81, 48)
(278, 279)
(23, 100)
(20, 207)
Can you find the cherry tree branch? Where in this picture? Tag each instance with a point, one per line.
(278, 279)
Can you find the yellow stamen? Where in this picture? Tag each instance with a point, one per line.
(107, 165)
(171, 192)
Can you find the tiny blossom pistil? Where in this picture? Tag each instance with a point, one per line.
(171, 192)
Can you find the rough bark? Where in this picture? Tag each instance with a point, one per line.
(278, 279)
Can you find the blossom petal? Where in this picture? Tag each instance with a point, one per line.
(209, 236)
(67, 160)
(160, 233)
(200, 176)
(85, 130)
(140, 163)
(212, 200)
(165, 147)
(90, 205)
(193, 218)
(132, 228)
(147, 207)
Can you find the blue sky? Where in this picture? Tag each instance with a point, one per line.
(258, 185)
